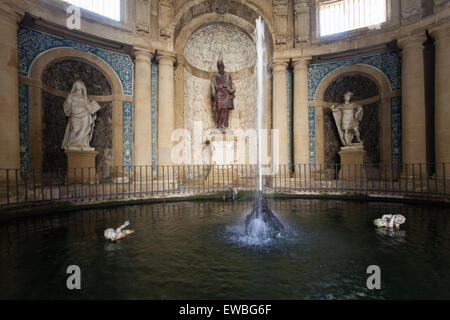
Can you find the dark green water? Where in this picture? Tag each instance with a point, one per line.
(197, 250)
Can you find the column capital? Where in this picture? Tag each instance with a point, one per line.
(167, 60)
(415, 40)
(301, 63)
(142, 54)
(441, 32)
(9, 15)
(280, 65)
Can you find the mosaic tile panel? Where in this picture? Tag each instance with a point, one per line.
(312, 134)
(396, 132)
(24, 129)
(127, 134)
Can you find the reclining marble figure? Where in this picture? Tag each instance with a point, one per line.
(116, 234)
(389, 221)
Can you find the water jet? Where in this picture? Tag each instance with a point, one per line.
(261, 221)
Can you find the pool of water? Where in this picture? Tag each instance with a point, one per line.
(198, 250)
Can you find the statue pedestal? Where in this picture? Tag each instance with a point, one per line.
(223, 149)
(352, 159)
(81, 165)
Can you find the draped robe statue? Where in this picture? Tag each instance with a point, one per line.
(82, 115)
(347, 117)
(222, 96)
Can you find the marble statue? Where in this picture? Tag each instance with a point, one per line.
(116, 234)
(347, 117)
(222, 96)
(389, 221)
(82, 115)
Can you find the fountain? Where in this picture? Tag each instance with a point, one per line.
(261, 222)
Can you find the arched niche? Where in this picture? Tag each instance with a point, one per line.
(201, 54)
(383, 99)
(39, 90)
(364, 89)
(57, 81)
(192, 19)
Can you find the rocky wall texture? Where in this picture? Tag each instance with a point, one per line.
(61, 76)
(363, 88)
(202, 52)
(205, 45)
(54, 123)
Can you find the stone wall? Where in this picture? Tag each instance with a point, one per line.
(363, 88)
(61, 76)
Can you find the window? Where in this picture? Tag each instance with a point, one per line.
(343, 15)
(107, 8)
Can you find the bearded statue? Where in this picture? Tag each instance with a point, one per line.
(222, 96)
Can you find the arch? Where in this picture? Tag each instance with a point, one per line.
(372, 73)
(51, 56)
(194, 14)
(209, 18)
(384, 89)
(37, 69)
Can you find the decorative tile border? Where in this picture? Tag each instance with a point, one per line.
(154, 89)
(32, 43)
(289, 87)
(396, 132)
(388, 63)
(24, 129)
(312, 134)
(127, 134)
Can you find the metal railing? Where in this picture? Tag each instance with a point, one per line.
(115, 183)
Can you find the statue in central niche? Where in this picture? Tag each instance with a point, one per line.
(347, 117)
(222, 96)
(82, 115)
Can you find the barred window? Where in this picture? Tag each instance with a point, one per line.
(108, 8)
(337, 16)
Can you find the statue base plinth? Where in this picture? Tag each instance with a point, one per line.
(352, 159)
(81, 165)
(223, 149)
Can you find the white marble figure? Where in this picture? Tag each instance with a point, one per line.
(389, 221)
(116, 234)
(347, 117)
(82, 115)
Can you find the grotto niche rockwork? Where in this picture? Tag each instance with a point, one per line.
(58, 79)
(363, 88)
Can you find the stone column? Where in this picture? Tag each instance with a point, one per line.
(143, 110)
(300, 114)
(9, 91)
(279, 112)
(166, 117)
(413, 101)
(442, 114)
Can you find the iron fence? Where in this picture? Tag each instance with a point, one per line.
(135, 182)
